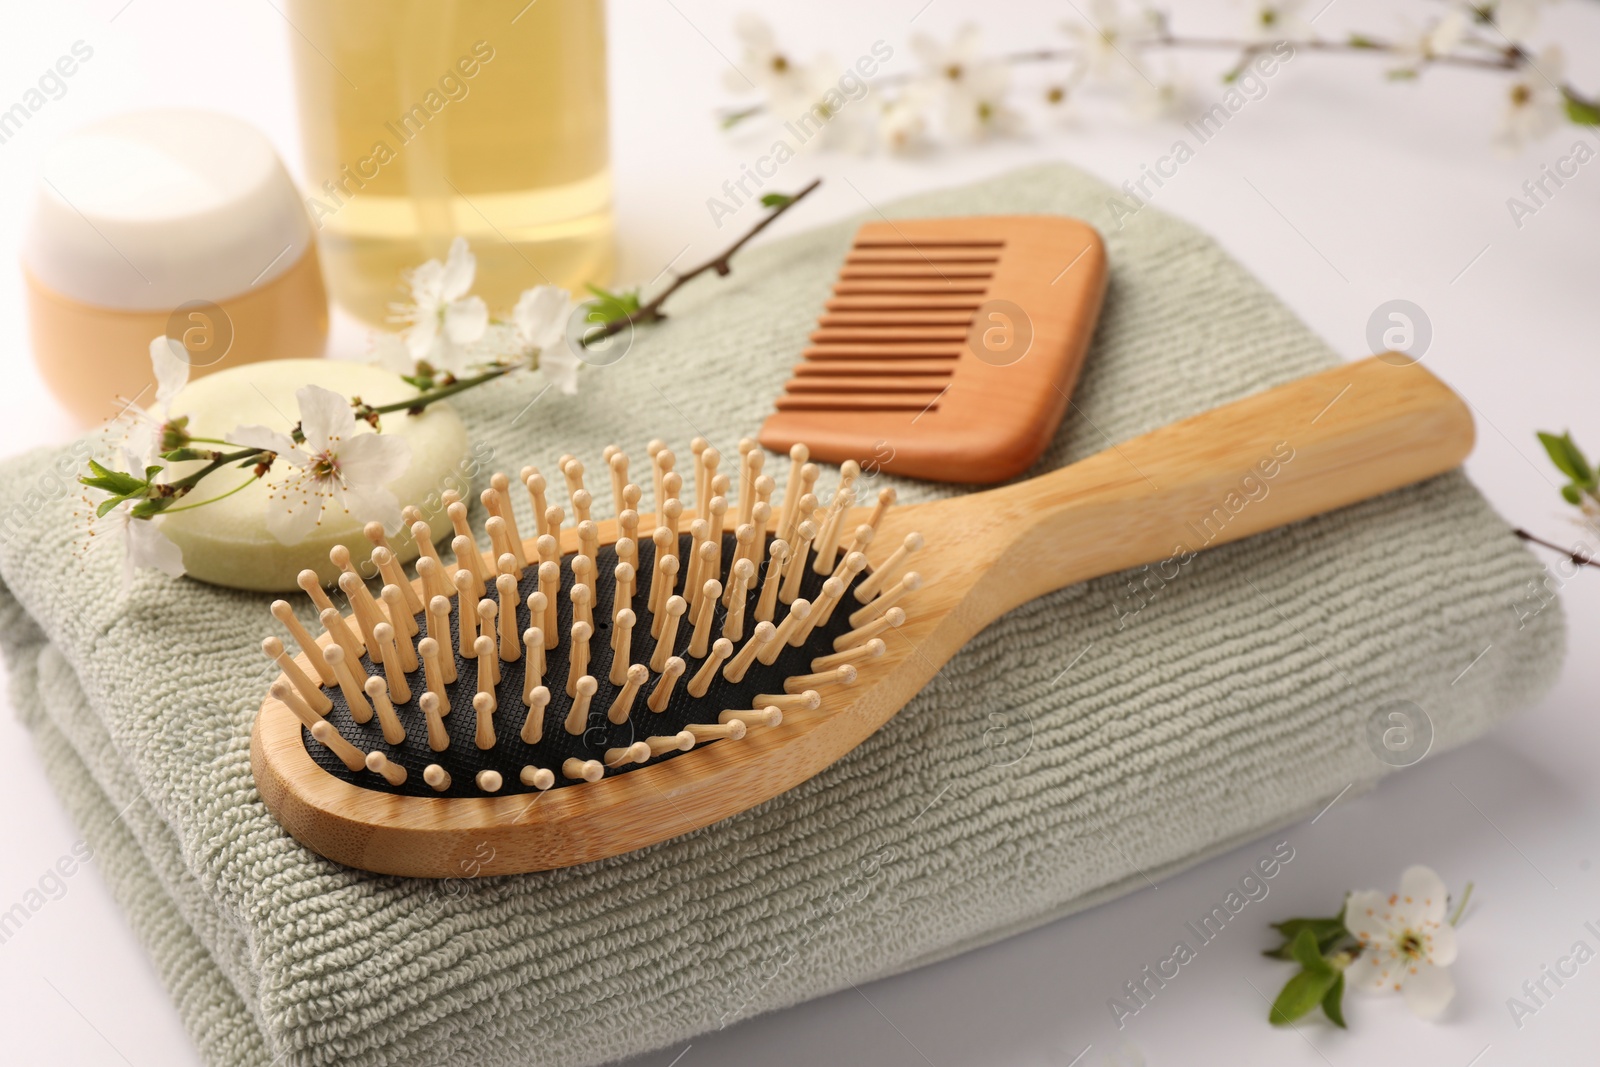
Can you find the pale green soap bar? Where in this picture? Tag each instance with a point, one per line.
(227, 543)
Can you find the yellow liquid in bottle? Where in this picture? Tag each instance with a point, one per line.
(427, 119)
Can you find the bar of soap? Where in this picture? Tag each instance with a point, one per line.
(227, 542)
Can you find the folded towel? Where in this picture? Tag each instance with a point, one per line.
(1095, 736)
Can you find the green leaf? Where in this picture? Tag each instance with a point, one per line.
(1583, 112)
(1328, 932)
(112, 481)
(424, 376)
(1557, 448)
(179, 455)
(1359, 41)
(1571, 494)
(1401, 74)
(1333, 1002)
(1306, 953)
(1317, 978)
(106, 484)
(776, 200)
(1301, 994)
(1290, 928)
(609, 306)
(1569, 459)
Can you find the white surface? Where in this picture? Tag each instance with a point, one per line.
(1342, 190)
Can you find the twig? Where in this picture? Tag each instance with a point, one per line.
(651, 310)
(213, 499)
(415, 404)
(1507, 58)
(1583, 559)
(218, 461)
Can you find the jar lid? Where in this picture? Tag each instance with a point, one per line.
(153, 209)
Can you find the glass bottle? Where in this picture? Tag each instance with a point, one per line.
(425, 119)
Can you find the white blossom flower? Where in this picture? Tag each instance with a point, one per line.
(831, 119)
(1109, 41)
(149, 425)
(540, 318)
(1535, 104)
(1406, 942)
(444, 319)
(336, 467)
(762, 62)
(973, 88)
(1447, 33)
(1437, 38)
(1278, 20)
(902, 122)
(1516, 18)
(144, 545)
(500, 343)
(389, 351)
(978, 108)
(950, 65)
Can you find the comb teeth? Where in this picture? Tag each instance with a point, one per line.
(907, 302)
(927, 326)
(549, 670)
(893, 349)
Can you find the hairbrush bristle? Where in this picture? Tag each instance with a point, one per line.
(694, 624)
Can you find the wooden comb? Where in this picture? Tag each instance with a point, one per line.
(949, 348)
(439, 773)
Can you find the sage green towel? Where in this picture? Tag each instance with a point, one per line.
(1072, 748)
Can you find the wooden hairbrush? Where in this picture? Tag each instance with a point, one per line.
(949, 347)
(427, 766)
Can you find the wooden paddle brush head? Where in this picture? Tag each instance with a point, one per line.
(517, 690)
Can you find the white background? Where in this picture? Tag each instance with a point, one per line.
(1342, 190)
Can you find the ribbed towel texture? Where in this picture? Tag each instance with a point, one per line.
(1097, 733)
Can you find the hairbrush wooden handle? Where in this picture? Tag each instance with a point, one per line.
(1300, 449)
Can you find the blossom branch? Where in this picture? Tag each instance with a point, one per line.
(148, 497)
(450, 346)
(971, 87)
(1510, 57)
(651, 310)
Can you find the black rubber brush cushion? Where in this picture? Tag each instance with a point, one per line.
(463, 759)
